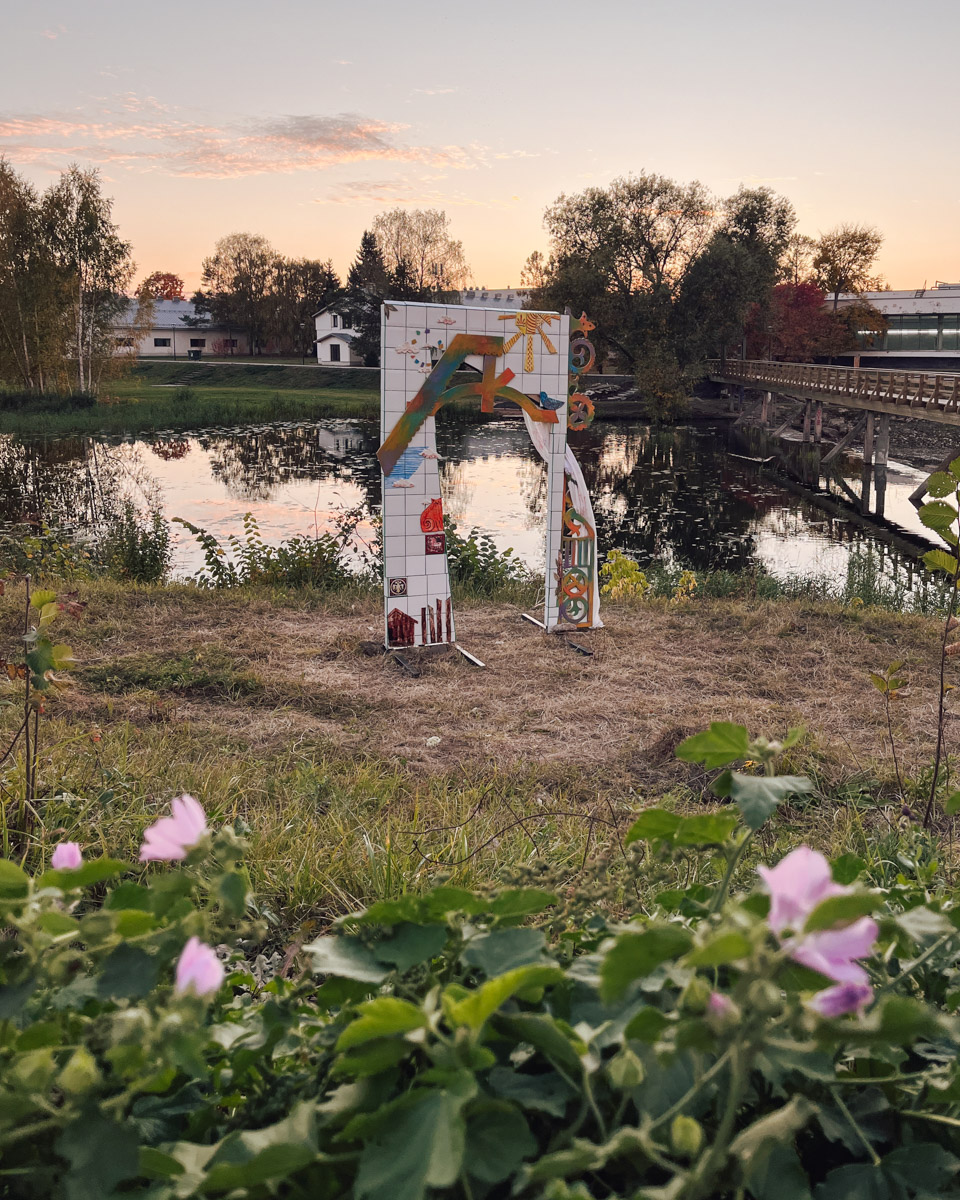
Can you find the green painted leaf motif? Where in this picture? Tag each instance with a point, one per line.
(14, 882)
(635, 955)
(758, 796)
(718, 746)
(652, 825)
(723, 948)
(385, 1016)
(941, 483)
(706, 829)
(420, 1147)
(938, 515)
(940, 560)
(841, 910)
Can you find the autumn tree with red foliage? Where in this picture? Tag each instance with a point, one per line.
(162, 285)
(797, 327)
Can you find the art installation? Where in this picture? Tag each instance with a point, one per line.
(531, 359)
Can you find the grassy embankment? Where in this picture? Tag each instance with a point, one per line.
(171, 396)
(267, 708)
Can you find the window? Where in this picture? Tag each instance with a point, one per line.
(123, 341)
(230, 343)
(336, 321)
(201, 342)
(334, 351)
(161, 341)
(951, 333)
(909, 334)
(928, 332)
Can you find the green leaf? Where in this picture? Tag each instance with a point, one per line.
(547, 1092)
(940, 560)
(58, 924)
(419, 1146)
(14, 881)
(652, 825)
(521, 902)
(635, 955)
(384, 1016)
(941, 484)
(759, 796)
(938, 515)
(860, 1181)
(776, 1128)
(94, 870)
(847, 868)
(128, 973)
(718, 746)
(951, 806)
(777, 1174)
(502, 950)
(706, 829)
(498, 1140)
(101, 1154)
(62, 656)
(41, 598)
(373, 1058)
(922, 1167)
(921, 922)
(346, 957)
(646, 1025)
(248, 1159)
(841, 910)
(478, 1006)
(233, 888)
(555, 1041)
(724, 948)
(410, 945)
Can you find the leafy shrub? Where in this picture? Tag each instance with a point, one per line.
(300, 561)
(441, 1046)
(623, 579)
(477, 564)
(15, 401)
(136, 547)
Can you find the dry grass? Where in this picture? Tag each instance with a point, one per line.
(271, 711)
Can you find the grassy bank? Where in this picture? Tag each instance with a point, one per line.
(268, 708)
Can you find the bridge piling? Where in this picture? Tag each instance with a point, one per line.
(806, 421)
(818, 424)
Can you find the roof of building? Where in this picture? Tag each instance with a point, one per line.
(167, 314)
(346, 334)
(941, 298)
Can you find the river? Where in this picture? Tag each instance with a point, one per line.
(685, 495)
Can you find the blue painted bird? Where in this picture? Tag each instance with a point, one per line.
(549, 402)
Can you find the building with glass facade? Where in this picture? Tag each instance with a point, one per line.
(923, 329)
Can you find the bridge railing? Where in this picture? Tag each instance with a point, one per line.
(909, 389)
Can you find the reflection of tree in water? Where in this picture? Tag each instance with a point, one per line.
(460, 482)
(671, 495)
(252, 464)
(70, 483)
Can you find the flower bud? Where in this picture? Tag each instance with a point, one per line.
(695, 996)
(764, 998)
(686, 1136)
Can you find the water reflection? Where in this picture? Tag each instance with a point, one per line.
(689, 495)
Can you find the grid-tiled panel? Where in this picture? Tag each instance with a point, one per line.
(416, 576)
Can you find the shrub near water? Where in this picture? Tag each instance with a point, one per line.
(791, 1043)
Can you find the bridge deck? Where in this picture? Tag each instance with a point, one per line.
(923, 395)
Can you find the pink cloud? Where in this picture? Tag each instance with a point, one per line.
(142, 134)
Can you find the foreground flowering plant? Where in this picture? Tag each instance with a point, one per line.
(725, 1045)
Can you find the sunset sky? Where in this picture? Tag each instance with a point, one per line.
(301, 120)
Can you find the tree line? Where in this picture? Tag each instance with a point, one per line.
(670, 273)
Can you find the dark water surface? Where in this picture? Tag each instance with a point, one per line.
(678, 495)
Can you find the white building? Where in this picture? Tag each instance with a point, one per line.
(511, 299)
(168, 337)
(923, 328)
(334, 342)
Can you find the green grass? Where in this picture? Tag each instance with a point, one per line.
(253, 373)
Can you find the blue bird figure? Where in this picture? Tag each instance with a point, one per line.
(548, 402)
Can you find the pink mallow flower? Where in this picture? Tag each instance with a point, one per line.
(66, 857)
(842, 999)
(198, 970)
(797, 884)
(171, 837)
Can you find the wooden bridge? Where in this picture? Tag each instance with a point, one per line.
(923, 395)
(880, 395)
